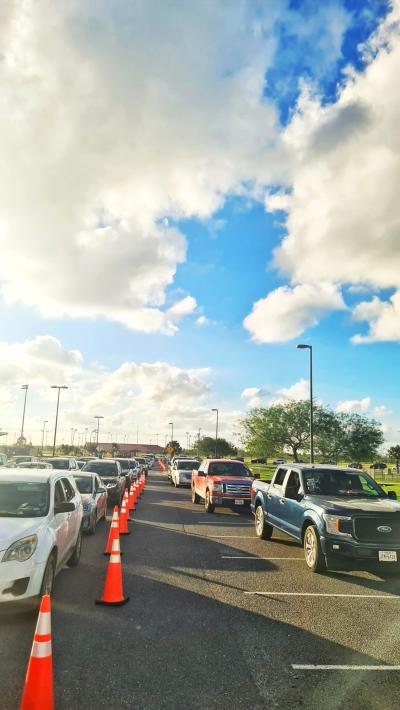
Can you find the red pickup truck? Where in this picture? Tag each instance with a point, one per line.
(222, 482)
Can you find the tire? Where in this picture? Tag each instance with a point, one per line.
(92, 526)
(195, 497)
(76, 555)
(209, 507)
(48, 575)
(313, 554)
(263, 530)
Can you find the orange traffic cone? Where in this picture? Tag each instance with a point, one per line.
(38, 690)
(125, 502)
(114, 531)
(113, 594)
(131, 498)
(123, 520)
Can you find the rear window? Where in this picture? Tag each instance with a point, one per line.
(24, 500)
(187, 465)
(103, 468)
(228, 468)
(59, 463)
(84, 484)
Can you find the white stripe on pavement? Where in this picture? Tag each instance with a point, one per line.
(234, 524)
(248, 557)
(334, 667)
(324, 594)
(243, 537)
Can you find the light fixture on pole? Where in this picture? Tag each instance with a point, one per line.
(303, 346)
(57, 387)
(23, 387)
(97, 432)
(43, 430)
(171, 424)
(216, 432)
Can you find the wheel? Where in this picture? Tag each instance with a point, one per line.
(315, 559)
(263, 530)
(207, 504)
(48, 575)
(92, 526)
(195, 497)
(76, 555)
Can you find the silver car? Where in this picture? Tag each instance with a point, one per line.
(94, 499)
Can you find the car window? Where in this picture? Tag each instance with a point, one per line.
(292, 485)
(280, 476)
(59, 493)
(68, 488)
(84, 484)
(228, 468)
(103, 468)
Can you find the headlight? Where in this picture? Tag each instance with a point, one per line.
(338, 524)
(217, 487)
(86, 506)
(21, 550)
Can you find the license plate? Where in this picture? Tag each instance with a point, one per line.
(239, 502)
(387, 556)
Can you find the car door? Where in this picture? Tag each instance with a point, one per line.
(73, 518)
(275, 496)
(291, 506)
(201, 479)
(100, 498)
(60, 523)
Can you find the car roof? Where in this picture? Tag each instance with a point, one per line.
(31, 475)
(311, 466)
(222, 461)
(84, 474)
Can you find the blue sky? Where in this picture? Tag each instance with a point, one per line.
(186, 216)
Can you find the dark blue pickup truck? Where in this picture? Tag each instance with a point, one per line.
(339, 515)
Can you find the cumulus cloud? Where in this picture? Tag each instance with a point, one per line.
(299, 391)
(41, 360)
(254, 396)
(354, 405)
(343, 211)
(287, 312)
(106, 142)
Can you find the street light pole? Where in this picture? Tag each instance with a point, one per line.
(24, 387)
(216, 432)
(172, 430)
(97, 433)
(57, 387)
(44, 427)
(303, 346)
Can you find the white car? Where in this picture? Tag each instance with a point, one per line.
(94, 498)
(40, 530)
(181, 471)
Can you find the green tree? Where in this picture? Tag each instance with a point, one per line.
(206, 447)
(394, 453)
(362, 437)
(280, 428)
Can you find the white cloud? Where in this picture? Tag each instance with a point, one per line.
(255, 396)
(182, 308)
(109, 141)
(202, 320)
(383, 318)
(381, 411)
(299, 391)
(343, 211)
(354, 405)
(41, 360)
(287, 312)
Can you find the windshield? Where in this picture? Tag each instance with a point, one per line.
(187, 465)
(23, 500)
(59, 463)
(103, 468)
(228, 468)
(124, 463)
(84, 484)
(341, 483)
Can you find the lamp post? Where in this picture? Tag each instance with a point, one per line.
(97, 432)
(216, 431)
(187, 440)
(59, 388)
(23, 387)
(303, 346)
(43, 430)
(171, 424)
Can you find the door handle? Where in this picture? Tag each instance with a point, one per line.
(269, 496)
(282, 502)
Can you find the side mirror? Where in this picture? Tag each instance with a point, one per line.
(200, 473)
(64, 507)
(101, 489)
(255, 475)
(392, 495)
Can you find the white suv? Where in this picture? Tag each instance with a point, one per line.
(40, 530)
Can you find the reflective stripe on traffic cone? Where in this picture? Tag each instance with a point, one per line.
(113, 594)
(125, 502)
(38, 689)
(123, 521)
(114, 531)
(131, 498)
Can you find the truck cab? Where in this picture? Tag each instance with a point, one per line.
(222, 482)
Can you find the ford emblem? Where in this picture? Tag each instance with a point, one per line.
(384, 529)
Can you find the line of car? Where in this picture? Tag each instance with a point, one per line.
(341, 516)
(44, 511)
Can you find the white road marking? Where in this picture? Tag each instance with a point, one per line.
(244, 537)
(234, 524)
(248, 557)
(333, 667)
(324, 594)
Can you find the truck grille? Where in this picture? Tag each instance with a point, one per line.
(366, 529)
(235, 489)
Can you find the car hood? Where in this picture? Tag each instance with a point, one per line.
(355, 505)
(12, 529)
(233, 479)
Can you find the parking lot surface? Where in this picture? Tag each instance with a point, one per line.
(217, 619)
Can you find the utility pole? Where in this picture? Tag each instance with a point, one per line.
(57, 387)
(23, 387)
(216, 432)
(303, 346)
(97, 432)
(43, 430)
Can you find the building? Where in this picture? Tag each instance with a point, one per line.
(130, 449)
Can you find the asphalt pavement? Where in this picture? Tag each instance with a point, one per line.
(217, 619)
